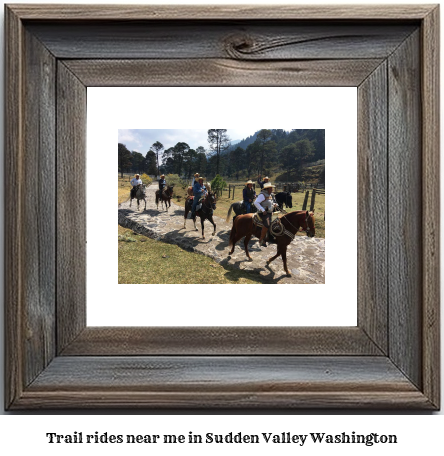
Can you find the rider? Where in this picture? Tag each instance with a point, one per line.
(265, 205)
(262, 183)
(199, 191)
(248, 194)
(162, 184)
(135, 182)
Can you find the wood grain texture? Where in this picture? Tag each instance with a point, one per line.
(71, 206)
(39, 206)
(14, 209)
(405, 209)
(220, 12)
(241, 40)
(430, 93)
(373, 216)
(127, 341)
(234, 382)
(209, 72)
(89, 374)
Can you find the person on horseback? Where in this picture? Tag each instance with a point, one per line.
(199, 191)
(262, 183)
(135, 182)
(265, 205)
(248, 194)
(162, 184)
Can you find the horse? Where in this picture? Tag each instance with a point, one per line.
(243, 226)
(140, 194)
(205, 212)
(165, 197)
(284, 198)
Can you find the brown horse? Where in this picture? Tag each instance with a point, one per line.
(205, 212)
(243, 226)
(165, 197)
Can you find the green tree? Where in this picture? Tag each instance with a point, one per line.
(201, 161)
(124, 159)
(189, 162)
(251, 154)
(157, 148)
(218, 141)
(294, 155)
(179, 152)
(151, 163)
(237, 161)
(218, 183)
(267, 148)
(138, 162)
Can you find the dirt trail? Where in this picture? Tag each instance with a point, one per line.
(305, 256)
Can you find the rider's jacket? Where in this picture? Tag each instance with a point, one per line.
(135, 181)
(248, 194)
(162, 183)
(264, 201)
(198, 190)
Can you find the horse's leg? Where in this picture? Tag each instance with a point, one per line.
(246, 241)
(274, 257)
(284, 259)
(202, 220)
(194, 221)
(210, 218)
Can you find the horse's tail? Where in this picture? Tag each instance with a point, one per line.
(229, 213)
(232, 236)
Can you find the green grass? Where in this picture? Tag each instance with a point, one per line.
(144, 260)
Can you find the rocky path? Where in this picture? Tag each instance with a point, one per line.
(305, 256)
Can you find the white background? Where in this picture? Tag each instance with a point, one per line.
(419, 433)
(329, 304)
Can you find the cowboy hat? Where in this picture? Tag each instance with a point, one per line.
(249, 182)
(136, 175)
(266, 177)
(268, 185)
(162, 175)
(200, 178)
(196, 175)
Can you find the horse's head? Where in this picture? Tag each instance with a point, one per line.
(308, 224)
(170, 190)
(142, 189)
(211, 198)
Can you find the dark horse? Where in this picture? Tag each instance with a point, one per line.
(205, 212)
(165, 197)
(239, 209)
(243, 226)
(284, 198)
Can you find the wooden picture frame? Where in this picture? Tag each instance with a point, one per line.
(390, 360)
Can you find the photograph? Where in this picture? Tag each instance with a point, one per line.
(230, 205)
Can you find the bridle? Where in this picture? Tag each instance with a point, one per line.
(307, 230)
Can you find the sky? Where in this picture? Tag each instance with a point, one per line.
(142, 140)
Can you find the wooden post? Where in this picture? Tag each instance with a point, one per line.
(229, 191)
(313, 196)
(234, 188)
(304, 206)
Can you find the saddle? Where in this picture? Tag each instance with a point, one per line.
(257, 219)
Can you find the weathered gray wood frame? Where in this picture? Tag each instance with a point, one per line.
(390, 360)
